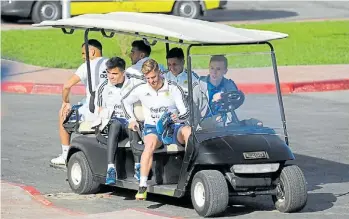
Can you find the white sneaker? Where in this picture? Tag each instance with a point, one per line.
(58, 160)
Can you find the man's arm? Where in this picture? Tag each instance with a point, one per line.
(181, 103)
(73, 80)
(100, 103)
(128, 100)
(65, 94)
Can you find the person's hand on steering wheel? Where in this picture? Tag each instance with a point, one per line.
(217, 97)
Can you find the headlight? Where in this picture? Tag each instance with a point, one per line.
(255, 168)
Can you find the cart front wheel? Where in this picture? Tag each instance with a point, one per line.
(291, 190)
(80, 175)
(209, 193)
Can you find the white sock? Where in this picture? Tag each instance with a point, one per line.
(65, 149)
(111, 166)
(143, 181)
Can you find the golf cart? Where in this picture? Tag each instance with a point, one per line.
(226, 156)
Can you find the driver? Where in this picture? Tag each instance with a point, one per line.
(109, 95)
(157, 96)
(211, 86)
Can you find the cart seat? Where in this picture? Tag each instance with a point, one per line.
(103, 139)
(137, 142)
(164, 149)
(138, 146)
(85, 128)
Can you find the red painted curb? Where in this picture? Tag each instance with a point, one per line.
(32, 88)
(37, 196)
(254, 88)
(153, 213)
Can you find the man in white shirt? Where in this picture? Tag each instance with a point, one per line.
(177, 72)
(109, 95)
(157, 96)
(140, 53)
(98, 73)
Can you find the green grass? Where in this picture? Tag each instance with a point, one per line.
(308, 43)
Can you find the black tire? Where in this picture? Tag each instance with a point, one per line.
(216, 193)
(292, 190)
(46, 10)
(188, 9)
(85, 185)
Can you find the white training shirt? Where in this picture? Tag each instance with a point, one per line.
(182, 79)
(136, 69)
(98, 74)
(168, 98)
(109, 96)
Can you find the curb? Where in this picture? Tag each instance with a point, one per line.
(267, 88)
(37, 196)
(145, 211)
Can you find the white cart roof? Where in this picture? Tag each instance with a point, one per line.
(186, 29)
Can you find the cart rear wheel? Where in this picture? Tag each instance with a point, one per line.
(80, 175)
(291, 190)
(209, 193)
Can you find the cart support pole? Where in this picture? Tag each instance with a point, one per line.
(65, 9)
(278, 89)
(190, 90)
(167, 46)
(88, 60)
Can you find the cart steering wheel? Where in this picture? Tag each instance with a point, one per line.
(229, 102)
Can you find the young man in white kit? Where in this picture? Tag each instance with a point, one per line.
(177, 72)
(140, 53)
(98, 73)
(157, 96)
(109, 95)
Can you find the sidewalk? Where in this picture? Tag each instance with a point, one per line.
(22, 78)
(19, 201)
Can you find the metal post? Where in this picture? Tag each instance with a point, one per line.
(65, 9)
(278, 89)
(190, 90)
(87, 53)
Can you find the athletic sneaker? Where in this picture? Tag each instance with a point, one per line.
(137, 171)
(58, 160)
(111, 176)
(142, 193)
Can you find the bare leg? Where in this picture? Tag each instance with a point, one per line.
(63, 134)
(65, 141)
(183, 134)
(151, 142)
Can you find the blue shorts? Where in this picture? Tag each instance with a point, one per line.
(151, 129)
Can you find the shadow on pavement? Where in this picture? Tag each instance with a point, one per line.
(246, 15)
(317, 172)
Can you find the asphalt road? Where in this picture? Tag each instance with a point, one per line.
(258, 11)
(318, 127)
(267, 11)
